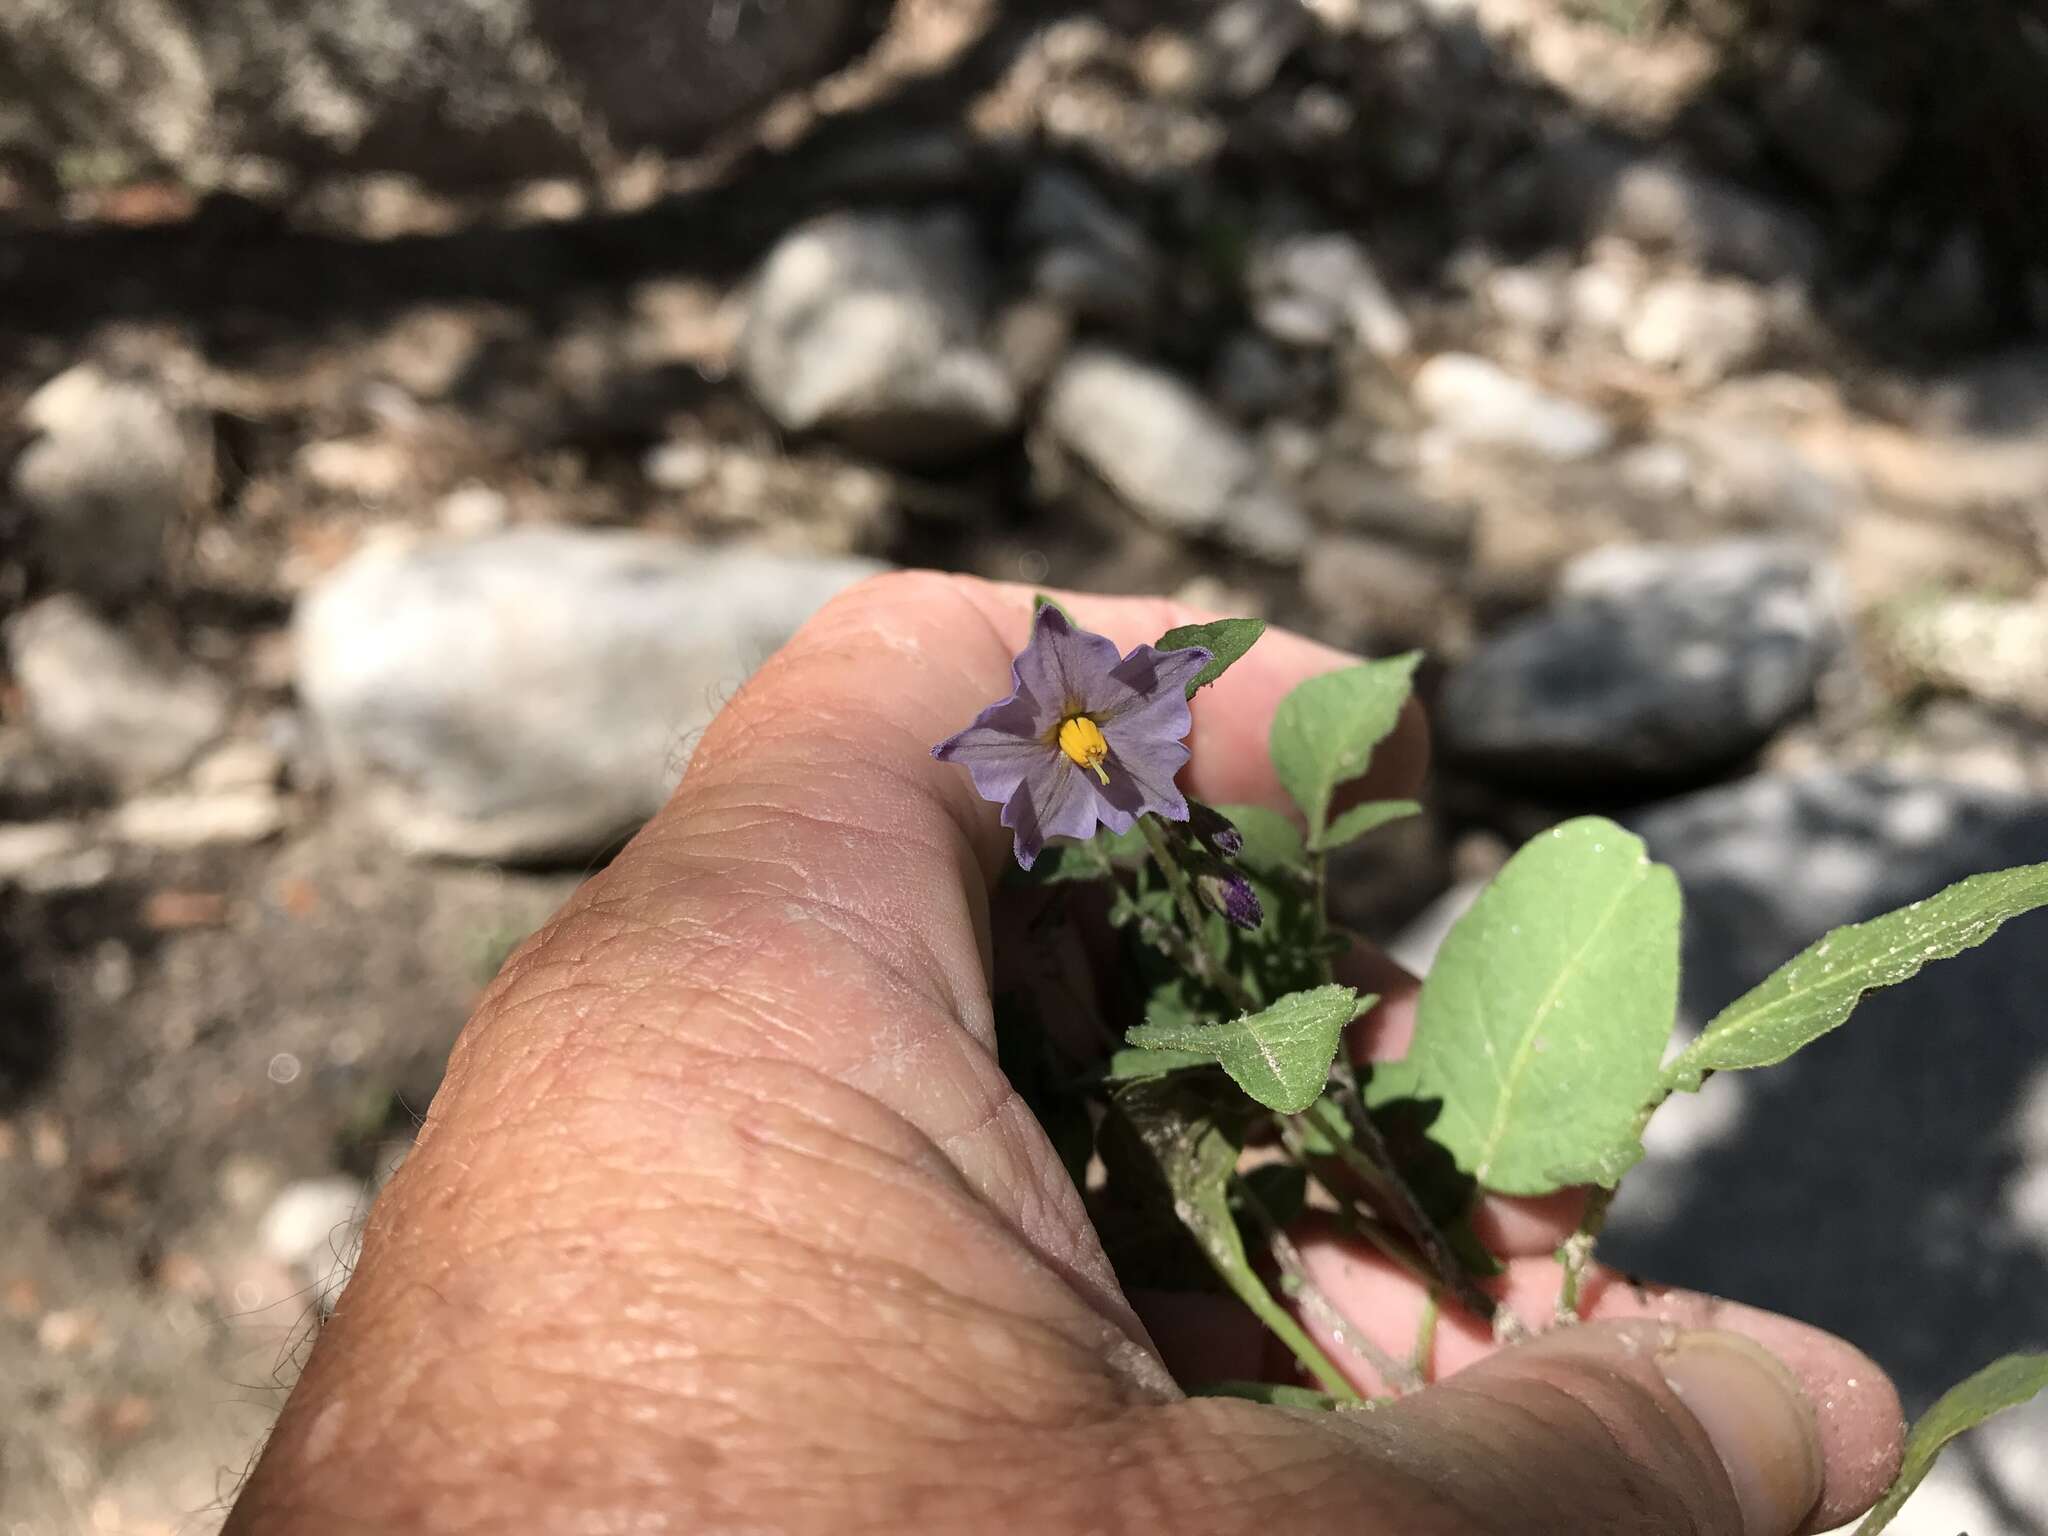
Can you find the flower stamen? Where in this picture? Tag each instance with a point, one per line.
(1081, 739)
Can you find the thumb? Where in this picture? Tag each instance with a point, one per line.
(1636, 1426)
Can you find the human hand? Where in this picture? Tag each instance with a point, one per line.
(725, 1217)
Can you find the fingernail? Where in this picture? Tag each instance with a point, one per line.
(1759, 1421)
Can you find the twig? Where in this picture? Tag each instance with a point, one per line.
(1399, 1378)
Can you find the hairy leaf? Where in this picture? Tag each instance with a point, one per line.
(1224, 639)
(2002, 1384)
(1816, 990)
(1541, 1023)
(1280, 1055)
(1361, 819)
(1324, 732)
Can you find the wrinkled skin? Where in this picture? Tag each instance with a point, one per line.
(726, 1219)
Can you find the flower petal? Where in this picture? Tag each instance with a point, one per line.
(1052, 801)
(1149, 674)
(1000, 748)
(1063, 668)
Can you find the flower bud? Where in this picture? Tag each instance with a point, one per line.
(1231, 895)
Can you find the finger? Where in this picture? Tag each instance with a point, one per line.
(1858, 1418)
(815, 894)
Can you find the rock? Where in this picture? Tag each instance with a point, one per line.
(1830, 130)
(1378, 595)
(1165, 454)
(867, 326)
(1367, 499)
(173, 822)
(1252, 379)
(1474, 401)
(1993, 649)
(526, 696)
(1248, 40)
(98, 701)
(680, 466)
(1087, 254)
(1581, 187)
(27, 849)
(1313, 290)
(366, 469)
(1700, 328)
(1752, 477)
(112, 467)
(447, 90)
(237, 765)
(1789, 1186)
(472, 509)
(1659, 664)
(314, 1228)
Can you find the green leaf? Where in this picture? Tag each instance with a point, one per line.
(1131, 1065)
(1361, 819)
(1280, 1055)
(1541, 1023)
(2002, 1384)
(1324, 732)
(1816, 990)
(1226, 640)
(1272, 1393)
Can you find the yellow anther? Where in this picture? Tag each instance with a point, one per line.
(1081, 739)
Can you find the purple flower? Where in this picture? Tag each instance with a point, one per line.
(1085, 737)
(1228, 892)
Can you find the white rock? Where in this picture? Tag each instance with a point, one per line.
(112, 465)
(1160, 448)
(1475, 401)
(472, 509)
(28, 848)
(868, 327)
(679, 466)
(102, 704)
(1311, 290)
(315, 1227)
(236, 765)
(173, 822)
(1701, 328)
(530, 695)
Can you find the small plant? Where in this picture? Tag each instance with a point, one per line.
(1542, 1029)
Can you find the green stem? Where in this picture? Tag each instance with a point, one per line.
(1253, 1293)
(1425, 1336)
(1207, 967)
(1376, 1165)
(1398, 1377)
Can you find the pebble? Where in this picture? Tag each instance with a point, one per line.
(868, 327)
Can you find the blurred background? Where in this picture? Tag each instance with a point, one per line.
(415, 417)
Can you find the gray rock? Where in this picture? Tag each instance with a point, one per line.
(1659, 663)
(1378, 594)
(1581, 187)
(1086, 253)
(1753, 477)
(1165, 454)
(528, 695)
(1892, 1160)
(1367, 499)
(112, 465)
(450, 90)
(868, 326)
(97, 700)
(1830, 129)
(1252, 379)
(1475, 401)
(1313, 290)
